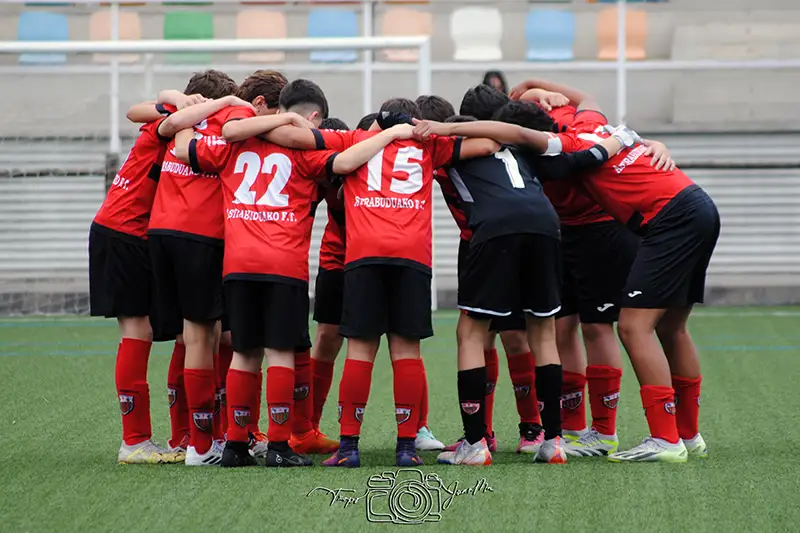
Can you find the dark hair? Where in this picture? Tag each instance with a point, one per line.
(432, 107)
(304, 92)
(211, 84)
(482, 101)
(266, 83)
(525, 114)
(495, 74)
(366, 121)
(400, 105)
(333, 124)
(460, 118)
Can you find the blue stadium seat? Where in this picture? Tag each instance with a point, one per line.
(332, 23)
(550, 35)
(42, 26)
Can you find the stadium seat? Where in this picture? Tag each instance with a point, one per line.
(42, 26)
(261, 25)
(182, 25)
(130, 29)
(476, 33)
(635, 34)
(550, 35)
(403, 22)
(332, 23)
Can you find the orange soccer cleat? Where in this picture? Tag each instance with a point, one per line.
(313, 442)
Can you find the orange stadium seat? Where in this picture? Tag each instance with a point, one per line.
(261, 25)
(635, 34)
(402, 21)
(130, 29)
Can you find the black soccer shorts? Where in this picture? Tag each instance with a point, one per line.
(328, 296)
(511, 273)
(669, 270)
(386, 299)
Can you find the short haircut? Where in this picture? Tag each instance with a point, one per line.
(266, 83)
(460, 118)
(434, 107)
(400, 105)
(482, 101)
(333, 124)
(525, 114)
(211, 84)
(366, 121)
(304, 93)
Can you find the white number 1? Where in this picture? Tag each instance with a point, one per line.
(401, 164)
(512, 168)
(250, 163)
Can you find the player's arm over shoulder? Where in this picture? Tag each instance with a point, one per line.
(239, 130)
(194, 114)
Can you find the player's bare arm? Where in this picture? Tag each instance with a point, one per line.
(498, 131)
(182, 140)
(361, 152)
(147, 112)
(577, 98)
(293, 137)
(194, 114)
(240, 130)
(546, 99)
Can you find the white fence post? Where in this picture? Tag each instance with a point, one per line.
(622, 59)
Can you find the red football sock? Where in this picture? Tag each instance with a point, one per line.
(423, 404)
(322, 372)
(687, 405)
(243, 386)
(133, 391)
(573, 408)
(353, 396)
(659, 408)
(407, 395)
(255, 416)
(280, 390)
(200, 397)
(221, 371)
(604, 382)
(301, 415)
(492, 372)
(520, 367)
(178, 408)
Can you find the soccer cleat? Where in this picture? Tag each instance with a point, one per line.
(344, 458)
(237, 454)
(696, 447)
(312, 442)
(551, 452)
(531, 439)
(180, 449)
(477, 454)
(426, 441)
(407, 457)
(211, 458)
(258, 445)
(571, 435)
(592, 444)
(491, 442)
(145, 453)
(652, 450)
(285, 458)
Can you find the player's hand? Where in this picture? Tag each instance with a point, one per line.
(518, 90)
(546, 99)
(300, 121)
(190, 100)
(661, 158)
(236, 101)
(423, 129)
(401, 131)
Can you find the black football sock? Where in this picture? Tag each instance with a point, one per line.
(471, 394)
(348, 443)
(280, 447)
(404, 444)
(548, 391)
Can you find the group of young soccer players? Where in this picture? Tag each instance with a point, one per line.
(565, 221)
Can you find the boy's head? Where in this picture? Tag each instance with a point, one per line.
(333, 124)
(432, 107)
(525, 114)
(211, 84)
(262, 89)
(496, 79)
(366, 122)
(482, 101)
(305, 98)
(460, 118)
(398, 106)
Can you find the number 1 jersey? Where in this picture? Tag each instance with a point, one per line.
(388, 201)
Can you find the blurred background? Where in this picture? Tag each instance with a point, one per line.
(714, 79)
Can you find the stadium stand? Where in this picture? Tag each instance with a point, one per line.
(635, 34)
(402, 21)
(253, 24)
(550, 35)
(42, 26)
(333, 23)
(476, 33)
(194, 25)
(130, 29)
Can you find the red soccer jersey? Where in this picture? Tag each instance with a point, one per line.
(563, 116)
(188, 200)
(453, 201)
(388, 200)
(332, 247)
(129, 200)
(268, 196)
(626, 186)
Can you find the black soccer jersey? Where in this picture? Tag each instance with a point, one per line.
(502, 196)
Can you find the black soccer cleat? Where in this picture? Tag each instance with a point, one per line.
(285, 457)
(237, 454)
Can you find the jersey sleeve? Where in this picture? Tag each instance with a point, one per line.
(445, 151)
(315, 164)
(237, 112)
(569, 142)
(335, 139)
(208, 154)
(166, 109)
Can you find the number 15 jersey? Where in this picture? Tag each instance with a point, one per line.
(388, 201)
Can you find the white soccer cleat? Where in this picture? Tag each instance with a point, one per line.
(477, 454)
(696, 447)
(570, 435)
(211, 458)
(592, 444)
(652, 450)
(145, 453)
(551, 452)
(258, 445)
(426, 441)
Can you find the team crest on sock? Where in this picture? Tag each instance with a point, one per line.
(489, 387)
(301, 392)
(470, 408)
(402, 414)
(203, 421)
(572, 401)
(126, 403)
(279, 414)
(669, 407)
(241, 417)
(358, 413)
(611, 401)
(521, 391)
(172, 396)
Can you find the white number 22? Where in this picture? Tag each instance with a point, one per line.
(250, 163)
(401, 164)
(512, 168)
